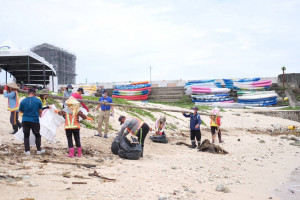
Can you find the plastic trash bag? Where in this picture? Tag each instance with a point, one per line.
(115, 145)
(128, 150)
(20, 136)
(159, 139)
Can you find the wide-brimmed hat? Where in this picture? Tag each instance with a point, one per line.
(13, 85)
(44, 91)
(72, 101)
(215, 111)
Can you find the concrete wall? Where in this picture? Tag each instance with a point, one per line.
(290, 79)
(285, 114)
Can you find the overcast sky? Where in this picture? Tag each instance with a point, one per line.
(200, 39)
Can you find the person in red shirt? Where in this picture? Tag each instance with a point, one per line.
(77, 95)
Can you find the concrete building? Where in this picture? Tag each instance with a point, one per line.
(63, 62)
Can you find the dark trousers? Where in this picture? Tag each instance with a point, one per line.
(14, 120)
(35, 127)
(142, 133)
(76, 133)
(196, 134)
(213, 130)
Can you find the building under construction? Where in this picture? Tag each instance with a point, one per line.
(63, 62)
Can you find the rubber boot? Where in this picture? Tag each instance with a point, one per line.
(71, 152)
(78, 151)
(199, 144)
(142, 154)
(193, 145)
(15, 127)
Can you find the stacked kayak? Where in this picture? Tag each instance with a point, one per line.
(259, 99)
(207, 91)
(134, 91)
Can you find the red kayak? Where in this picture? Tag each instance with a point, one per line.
(139, 97)
(138, 89)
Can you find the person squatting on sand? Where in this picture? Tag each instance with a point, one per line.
(72, 125)
(10, 92)
(160, 125)
(215, 124)
(136, 127)
(105, 112)
(31, 107)
(195, 122)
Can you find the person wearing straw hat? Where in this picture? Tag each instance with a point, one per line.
(195, 122)
(31, 107)
(215, 124)
(11, 92)
(43, 94)
(71, 113)
(67, 94)
(160, 125)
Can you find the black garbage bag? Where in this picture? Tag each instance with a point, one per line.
(129, 150)
(159, 139)
(115, 145)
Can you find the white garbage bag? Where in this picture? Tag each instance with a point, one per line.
(20, 136)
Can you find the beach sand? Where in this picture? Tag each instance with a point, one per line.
(258, 166)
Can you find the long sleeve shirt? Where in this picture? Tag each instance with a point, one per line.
(76, 95)
(12, 99)
(159, 126)
(195, 119)
(66, 96)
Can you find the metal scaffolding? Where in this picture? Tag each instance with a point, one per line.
(63, 62)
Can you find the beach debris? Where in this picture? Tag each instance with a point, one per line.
(66, 174)
(296, 143)
(206, 146)
(68, 163)
(28, 199)
(96, 174)
(183, 143)
(262, 141)
(32, 184)
(239, 139)
(222, 188)
(78, 182)
(161, 198)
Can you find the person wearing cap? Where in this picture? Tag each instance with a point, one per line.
(106, 111)
(43, 95)
(11, 92)
(195, 122)
(215, 123)
(67, 94)
(31, 107)
(160, 125)
(136, 127)
(77, 95)
(71, 113)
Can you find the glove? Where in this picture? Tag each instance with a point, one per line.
(6, 87)
(56, 111)
(89, 118)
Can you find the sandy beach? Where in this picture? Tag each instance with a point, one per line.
(259, 165)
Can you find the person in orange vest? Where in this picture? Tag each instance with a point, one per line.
(11, 92)
(215, 124)
(72, 126)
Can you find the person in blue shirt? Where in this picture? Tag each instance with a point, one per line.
(195, 127)
(11, 93)
(105, 112)
(31, 107)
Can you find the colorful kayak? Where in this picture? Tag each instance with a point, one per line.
(137, 89)
(139, 97)
(138, 83)
(258, 96)
(129, 87)
(130, 93)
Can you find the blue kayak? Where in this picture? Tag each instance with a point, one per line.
(129, 87)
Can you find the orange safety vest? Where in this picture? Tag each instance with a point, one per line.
(139, 126)
(215, 121)
(16, 106)
(71, 122)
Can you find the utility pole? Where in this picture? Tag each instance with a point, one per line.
(150, 73)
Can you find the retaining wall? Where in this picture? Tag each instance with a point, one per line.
(285, 114)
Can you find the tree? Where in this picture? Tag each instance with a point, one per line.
(283, 69)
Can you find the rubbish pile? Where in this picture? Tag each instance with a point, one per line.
(135, 91)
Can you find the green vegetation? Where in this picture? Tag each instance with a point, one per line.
(170, 126)
(291, 108)
(185, 102)
(53, 101)
(88, 125)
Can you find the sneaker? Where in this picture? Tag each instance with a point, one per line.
(27, 153)
(98, 135)
(40, 152)
(105, 136)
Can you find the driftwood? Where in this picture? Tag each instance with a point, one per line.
(183, 143)
(124, 105)
(79, 183)
(100, 176)
(69, 163)
(206, 146)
